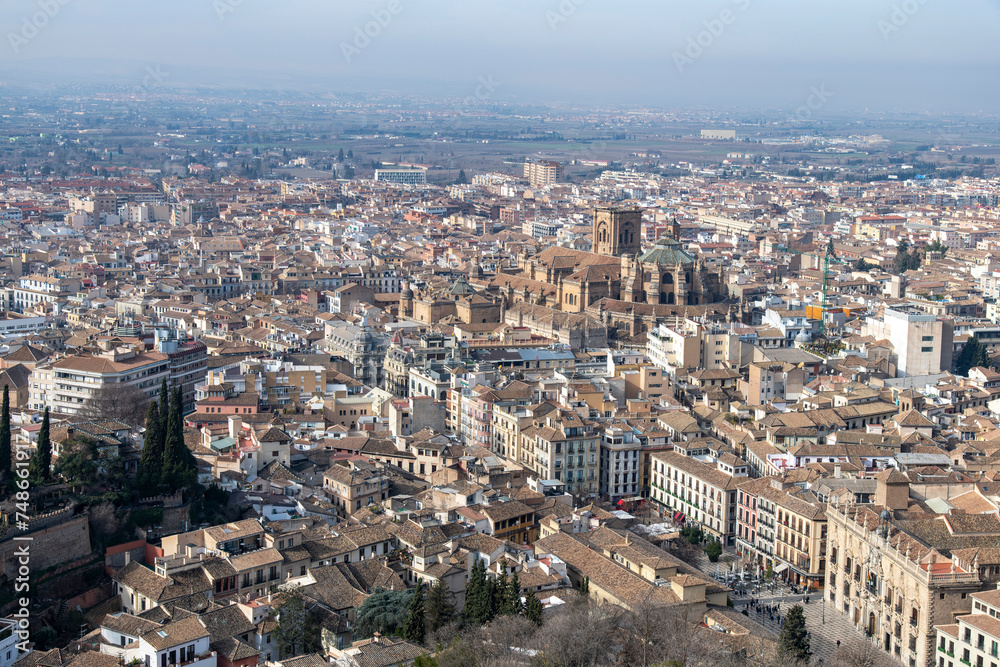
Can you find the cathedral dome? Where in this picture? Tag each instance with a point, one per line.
(667, 252)
(461, 287)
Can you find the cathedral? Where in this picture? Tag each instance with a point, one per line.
(665, 275)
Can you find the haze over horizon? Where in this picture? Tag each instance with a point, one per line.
(915, 55)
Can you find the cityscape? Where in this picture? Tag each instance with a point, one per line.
(499, 335)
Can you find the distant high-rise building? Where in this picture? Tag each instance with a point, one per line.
(404, 175)
(543, 172)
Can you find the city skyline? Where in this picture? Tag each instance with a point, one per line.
(734, 53)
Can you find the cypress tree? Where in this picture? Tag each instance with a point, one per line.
(491, 599)
(164, 413)
(440, 610)
(477, 595)
(793, 642)
(174, 450)
(533, 609)
(152, 451)
(41, 460)
(499, 605)
(512, 600)
(415, 628)
(5, 453)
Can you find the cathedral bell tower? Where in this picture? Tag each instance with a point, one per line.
(617, 231)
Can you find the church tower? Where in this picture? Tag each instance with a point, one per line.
(617, 231)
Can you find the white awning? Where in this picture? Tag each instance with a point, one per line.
(781, 568)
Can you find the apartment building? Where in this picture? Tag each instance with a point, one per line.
(186, 364)
(404, 176)
(34, 289)
(559, 445)
(621, 463)
(66, 384)
(543, 172)
(509, 418)
(921, 342)
(699, 491)
(354, 487)
(9, 641)
(769, 381)
(511, 520)
(974, 639)
(687, 344)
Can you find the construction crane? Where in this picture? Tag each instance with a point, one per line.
(826, 257)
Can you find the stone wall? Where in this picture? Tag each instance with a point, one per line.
(56, 538)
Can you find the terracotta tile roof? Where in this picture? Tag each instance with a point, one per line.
(178, 632)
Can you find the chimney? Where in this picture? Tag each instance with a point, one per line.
(836, 471)
(235, 426)
(128, 557)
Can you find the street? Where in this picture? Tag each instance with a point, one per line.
(825, 626)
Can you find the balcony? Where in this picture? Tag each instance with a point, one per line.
(203, 660)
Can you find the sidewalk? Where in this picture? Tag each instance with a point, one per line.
(824, 628)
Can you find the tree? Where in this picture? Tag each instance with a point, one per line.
(580, 633)
(864, 265)
(973, 354)
(584, 588)
(350, 154)
(438, 606)
(340, 155)
(936, 246)
(533, 609)
(41, 460)
(415, 628)
(121, 402)
(713, 550)
(78, 460)
(499, 597)
(461, 178)
(382, 612)
(179, 466)
(512, 605)
(793, 642)
(151, 460)
(164, 413)
(104, 520)
(858, 653)
(905, 260)
(477, 595)
(5, 452)
(297, 630)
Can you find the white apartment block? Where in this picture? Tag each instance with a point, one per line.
(34, 289)
(704, 491)
(66, 384)
(922, 343)
(975, 639)
(403, 176)
(620, 474)
(9, 638)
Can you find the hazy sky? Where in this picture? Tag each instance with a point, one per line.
(858, 53)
